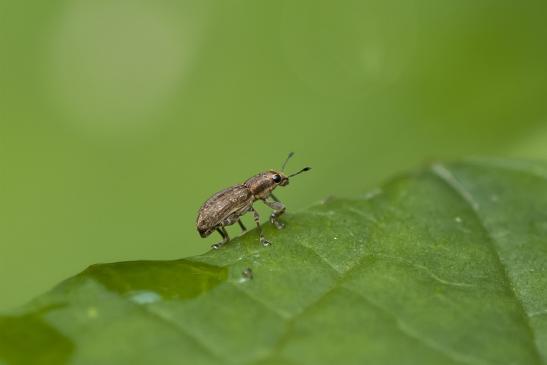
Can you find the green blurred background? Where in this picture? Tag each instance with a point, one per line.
(119, 118)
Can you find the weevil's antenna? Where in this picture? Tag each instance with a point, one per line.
(291, 154)
(301, 171)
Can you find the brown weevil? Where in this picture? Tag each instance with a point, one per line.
(227, 206)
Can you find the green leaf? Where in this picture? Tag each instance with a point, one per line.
(442, 266)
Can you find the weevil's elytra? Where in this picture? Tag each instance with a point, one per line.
(227, 206)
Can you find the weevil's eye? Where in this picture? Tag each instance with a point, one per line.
(276, 178)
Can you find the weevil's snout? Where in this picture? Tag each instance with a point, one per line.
(279, 178)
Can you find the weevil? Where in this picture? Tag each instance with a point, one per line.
(227, 206)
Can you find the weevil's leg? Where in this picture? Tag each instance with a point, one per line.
(256, 217)
(243, 228)
(225, 238)
(278, 209)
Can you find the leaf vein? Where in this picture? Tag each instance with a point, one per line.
(261, 302)
(406, 330)
(316, 254)
(455, 185)
(181, 331)
(423, 268)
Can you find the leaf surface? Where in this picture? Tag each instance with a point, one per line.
(446, 265)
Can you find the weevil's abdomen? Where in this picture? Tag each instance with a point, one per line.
(223, 208)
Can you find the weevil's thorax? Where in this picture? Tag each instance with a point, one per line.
(262, 185)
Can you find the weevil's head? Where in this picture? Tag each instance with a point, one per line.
(278, 178)
(264, 183)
